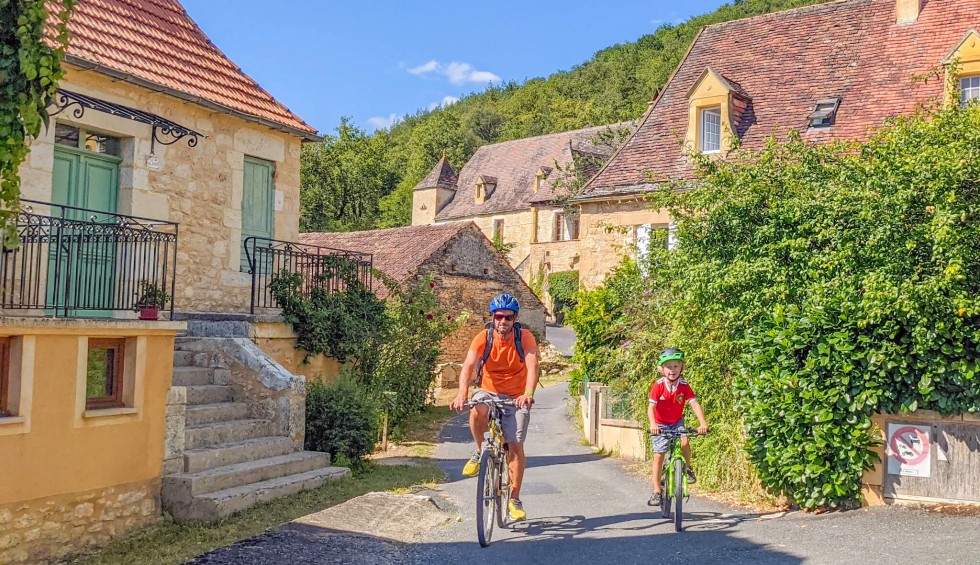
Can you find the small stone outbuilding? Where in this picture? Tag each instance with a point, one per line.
(465, 267)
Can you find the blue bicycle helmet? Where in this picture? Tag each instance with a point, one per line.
(504, 302)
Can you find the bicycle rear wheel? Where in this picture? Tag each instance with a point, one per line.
(486, 496)
(679, 478)
(665, 490)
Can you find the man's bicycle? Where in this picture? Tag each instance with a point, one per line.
(673, 478)
(493, 481)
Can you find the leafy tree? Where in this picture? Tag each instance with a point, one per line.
(343, 177)
(29, 73)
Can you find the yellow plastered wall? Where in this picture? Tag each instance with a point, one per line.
(198, 187)
(966, 58)
(424, 206)
(709, 91)
(55, 447)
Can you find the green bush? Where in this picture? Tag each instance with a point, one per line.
(563, 286)
(341, 419)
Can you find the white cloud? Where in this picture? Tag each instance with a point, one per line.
(446, 101)
(425, 68)
(456, 72)
(381, 122)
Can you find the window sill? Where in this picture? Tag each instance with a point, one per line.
(106, 412)
(11, 420)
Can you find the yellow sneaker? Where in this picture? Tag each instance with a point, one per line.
(516, 510)
(472, 466)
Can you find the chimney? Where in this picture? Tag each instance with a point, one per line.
(907, 11)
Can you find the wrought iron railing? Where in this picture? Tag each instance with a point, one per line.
(76, 262)
(319, 267)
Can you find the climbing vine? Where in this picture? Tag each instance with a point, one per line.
(30, 69)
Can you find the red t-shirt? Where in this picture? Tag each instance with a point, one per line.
(669, 404)
(504, 372)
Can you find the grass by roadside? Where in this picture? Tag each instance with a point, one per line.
(176, 543)
(418, 436)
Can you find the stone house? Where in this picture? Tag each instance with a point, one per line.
(466, 269)
(828, 71)
(161, 162)
(512, 191)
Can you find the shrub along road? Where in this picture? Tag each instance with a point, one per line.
(586, 508)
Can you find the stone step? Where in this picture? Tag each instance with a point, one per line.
(209, 413)
(224, 432)
(210, 394)
(182, 488)
(191, 376)
(216, 505)
(236, 452)
(183, 358)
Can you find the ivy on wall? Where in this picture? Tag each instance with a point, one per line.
(29, 73)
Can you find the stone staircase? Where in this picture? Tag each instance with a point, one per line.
(228, 459)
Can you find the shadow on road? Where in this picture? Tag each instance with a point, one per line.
(566, 527)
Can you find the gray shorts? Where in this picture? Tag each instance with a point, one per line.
(661, 443)
(513, 420)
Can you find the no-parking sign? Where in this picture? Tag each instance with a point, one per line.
(908, 450)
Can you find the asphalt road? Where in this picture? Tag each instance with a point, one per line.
(586, 509)
(583, 508)
(562, 337)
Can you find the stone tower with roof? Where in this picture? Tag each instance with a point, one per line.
(434, 191)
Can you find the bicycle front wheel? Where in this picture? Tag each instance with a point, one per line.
(679, 478)
(486, 496)
(665, 490)
(503, 496)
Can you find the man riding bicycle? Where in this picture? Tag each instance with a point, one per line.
(505, 367)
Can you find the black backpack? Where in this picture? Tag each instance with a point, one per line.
(489, 346)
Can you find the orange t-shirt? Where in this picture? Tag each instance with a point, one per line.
(504, 373)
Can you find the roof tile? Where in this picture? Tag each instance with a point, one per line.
(784, 62)
(157, 41)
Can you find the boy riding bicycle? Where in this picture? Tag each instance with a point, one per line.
(668, 397)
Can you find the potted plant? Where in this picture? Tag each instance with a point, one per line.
(150, 300)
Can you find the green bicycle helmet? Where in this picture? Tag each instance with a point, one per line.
(670, 354)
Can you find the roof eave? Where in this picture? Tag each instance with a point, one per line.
(87, 65)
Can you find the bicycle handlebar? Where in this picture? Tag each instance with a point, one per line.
(677, 433)
(496, 401)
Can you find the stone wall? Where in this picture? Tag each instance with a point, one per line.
(46, 529)
(517, 230)
(199, 187)
(278, 340)
(607, 233)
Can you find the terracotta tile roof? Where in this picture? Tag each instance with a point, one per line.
(783, 63)
(156, 42)
(398, 252)
(513, 164)
(442, 175)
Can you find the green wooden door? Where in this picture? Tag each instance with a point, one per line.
(257, 202)
(81, 264)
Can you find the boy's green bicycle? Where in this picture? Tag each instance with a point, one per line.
(673, 478)
(493, 481)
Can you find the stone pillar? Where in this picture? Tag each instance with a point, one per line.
(173, 447)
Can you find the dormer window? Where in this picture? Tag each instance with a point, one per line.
(824, 113)
(969, 89)
(710, 129)
(717, 111)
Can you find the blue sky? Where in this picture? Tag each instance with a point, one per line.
(378, 60)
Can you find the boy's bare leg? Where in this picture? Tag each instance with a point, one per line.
(686, 450)
(658, 462)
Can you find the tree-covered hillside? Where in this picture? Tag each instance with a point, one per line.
(354, 180)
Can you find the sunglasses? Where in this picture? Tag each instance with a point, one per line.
(508, 317)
